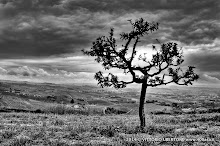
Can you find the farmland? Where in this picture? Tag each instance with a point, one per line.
(32, 97)
(52, 114)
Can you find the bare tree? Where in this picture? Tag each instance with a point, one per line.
(162, 69)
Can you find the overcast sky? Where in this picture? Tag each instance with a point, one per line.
(41, 40)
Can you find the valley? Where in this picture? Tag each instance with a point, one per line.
(25, 96)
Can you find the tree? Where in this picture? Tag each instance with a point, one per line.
(164, 67)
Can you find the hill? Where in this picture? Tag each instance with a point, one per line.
(175, 116)
(35, 96)
(75, 98)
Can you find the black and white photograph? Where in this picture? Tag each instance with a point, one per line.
(109, 72)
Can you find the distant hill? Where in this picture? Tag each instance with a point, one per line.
(33, 96)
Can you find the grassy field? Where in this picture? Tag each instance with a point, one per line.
(18, 129)
(95, 126)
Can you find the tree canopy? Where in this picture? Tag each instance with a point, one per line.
(165, 62)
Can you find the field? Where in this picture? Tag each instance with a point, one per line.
(17, 129)
(57, 115)
(31, 97)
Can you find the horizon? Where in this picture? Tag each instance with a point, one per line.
(41, 41)
(130, 86)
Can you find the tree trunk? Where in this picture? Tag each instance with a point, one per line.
(141, 105)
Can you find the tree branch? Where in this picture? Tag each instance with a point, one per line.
(134, 47)
(184, 79)
(160, 70)
(110, 80)
(105, 51)
(124, 59)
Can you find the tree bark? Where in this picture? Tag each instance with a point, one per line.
(141, 105)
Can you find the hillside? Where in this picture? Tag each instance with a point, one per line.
(175, 116)
(19, 129)
(32, 96)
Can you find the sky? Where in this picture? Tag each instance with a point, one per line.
(41, 40)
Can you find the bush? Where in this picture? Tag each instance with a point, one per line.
(62, 109)
(95, 110)
(8, 134)
(20, 141)
(161, 113)
(107, 131)
(38, 111)
(112, 110)
(57, 142)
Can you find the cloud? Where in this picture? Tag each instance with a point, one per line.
(2, 70)
(205, 78)
(215, 75)
(12, 73)
(27, 73)
(196, 32)
(204, 56)
(46, 27)
(142, 5)
(69, 63)
(44, 38)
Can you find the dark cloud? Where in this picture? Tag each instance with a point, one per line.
(50, 29)
(10, 8)
(27, 30)
(12, 73)
(205, 61)
(25, 73)
(193, 29)
(37, 42)
(53, 27)
(187, 6)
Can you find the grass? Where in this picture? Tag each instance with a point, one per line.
(18, 129)
(63, 109)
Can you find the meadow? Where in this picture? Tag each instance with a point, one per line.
(28, 129)
(73, 115)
